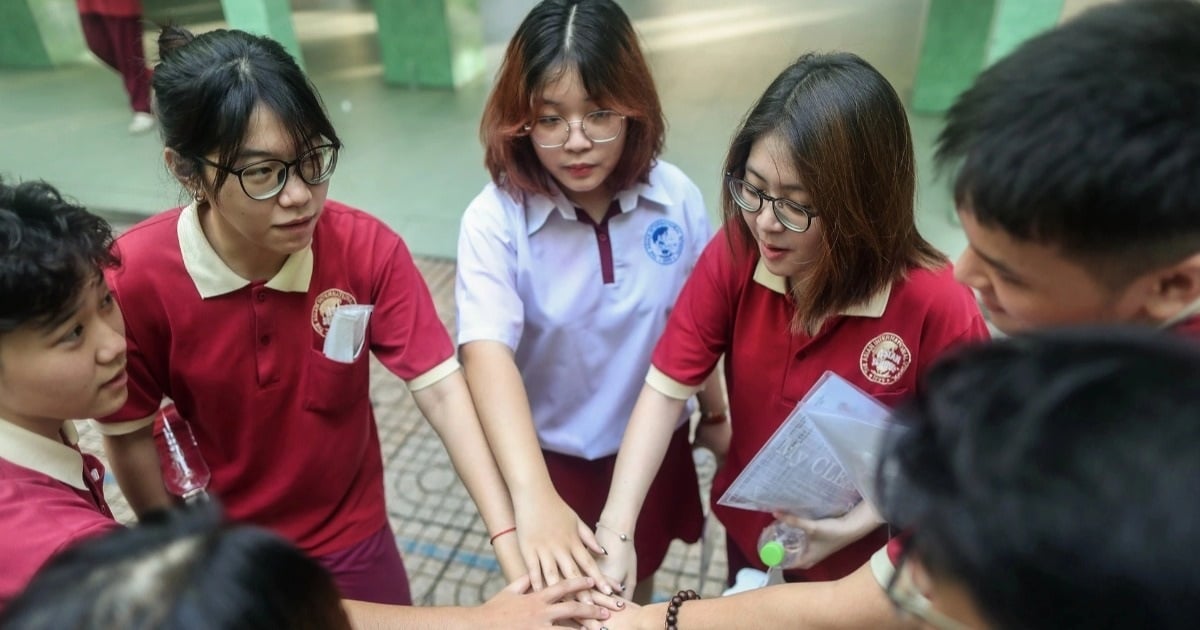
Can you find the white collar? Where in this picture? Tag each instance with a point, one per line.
(35, 452)
(873, 307)
(538, 208)
(213, 277)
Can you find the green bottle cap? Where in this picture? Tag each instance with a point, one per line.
(772, 553)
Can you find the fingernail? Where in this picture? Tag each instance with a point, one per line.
(620, 604)
(604, 550)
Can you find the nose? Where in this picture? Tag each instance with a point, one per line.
(966, 269)
(577, 141)
(766, 219)
(112, 345)
(296, 192)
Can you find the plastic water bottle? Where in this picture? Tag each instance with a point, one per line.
(185, 473)
(780, 545)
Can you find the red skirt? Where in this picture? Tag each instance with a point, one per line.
(672, 508)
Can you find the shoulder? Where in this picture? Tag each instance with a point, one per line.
(672, 180)
(935, 287)
(156, 235)
(348, 230)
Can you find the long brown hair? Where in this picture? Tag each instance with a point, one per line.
(596, 38)
(850, 143)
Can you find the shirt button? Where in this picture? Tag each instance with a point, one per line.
(262, 296)
(265, 339)
(603, 238)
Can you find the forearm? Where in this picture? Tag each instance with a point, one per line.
(134, 462)
(645, 443)
(498, 392)
(372, 616)
(447, 406)
(852, 603)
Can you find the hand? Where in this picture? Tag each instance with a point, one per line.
(557, 545)
(715, 437)
(827, 536)
(620, 563)
(515, 607)
(633, 617)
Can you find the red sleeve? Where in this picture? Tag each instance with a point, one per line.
(145, 392)
(700, 327)
(406, 333)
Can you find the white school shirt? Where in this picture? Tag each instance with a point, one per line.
(530, 276)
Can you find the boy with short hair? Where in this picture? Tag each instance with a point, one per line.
(62, 357)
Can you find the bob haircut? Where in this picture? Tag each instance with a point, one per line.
(596, 38)
(851, 145)
(181, 570)
(207, 86)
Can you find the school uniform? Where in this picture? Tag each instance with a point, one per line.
(51, 496)
(581, 304)
(734, 306)
(288, 433)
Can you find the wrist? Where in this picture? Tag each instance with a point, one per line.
(714, 417)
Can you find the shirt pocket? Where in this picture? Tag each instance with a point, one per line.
(333, 388)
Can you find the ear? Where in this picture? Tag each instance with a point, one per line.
(183, 169)
(1174, 290)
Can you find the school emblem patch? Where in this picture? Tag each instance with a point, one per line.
(663, 241)
(324, 306)
(885, 359)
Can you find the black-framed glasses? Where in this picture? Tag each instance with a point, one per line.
(600, 126)
(264, 179)
(905, 595)
(793, 216)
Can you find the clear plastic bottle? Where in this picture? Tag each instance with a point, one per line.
(185, 473)
(780, 545)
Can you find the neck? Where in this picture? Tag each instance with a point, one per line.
(242, 257)
(594, 202)
(41, 426)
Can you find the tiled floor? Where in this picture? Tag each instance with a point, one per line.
(413, 159)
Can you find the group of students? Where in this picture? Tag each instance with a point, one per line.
(595, 304)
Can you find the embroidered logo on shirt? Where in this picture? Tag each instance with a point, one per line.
(885, 359)
(663, 241)
(324, 306)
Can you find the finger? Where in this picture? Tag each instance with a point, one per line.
(590, 624)
(610, 602)
(550, 571)
(535, 572)
(570, 609)
(566, 587)
(585, 596)
(519, 585)
(589, 539)
(588, 564)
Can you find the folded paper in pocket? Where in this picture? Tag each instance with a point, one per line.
(347, 332)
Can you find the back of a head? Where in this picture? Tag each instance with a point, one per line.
(207, 87)
(50, 251)
(1087, 137)
(187, 571)
(1053, 476)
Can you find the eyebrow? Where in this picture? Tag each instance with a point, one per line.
(785, 187)
(546, 101)
(999, 266)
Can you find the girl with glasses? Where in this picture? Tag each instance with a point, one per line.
(229, 306)
(569, 262)
(819, 267)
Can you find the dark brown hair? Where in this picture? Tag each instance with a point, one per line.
(851, 145)
(596, 38)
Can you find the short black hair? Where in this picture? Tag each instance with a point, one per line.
(1053, 476)
(1087, 138)
(183, 569)
(51, 250)
(207, 86)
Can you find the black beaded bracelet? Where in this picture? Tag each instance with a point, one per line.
(674, 606)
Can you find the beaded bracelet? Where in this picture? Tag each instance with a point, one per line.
(713, 417)
(620, 535)
(675, 605)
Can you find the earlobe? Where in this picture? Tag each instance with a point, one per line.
(1176, 292)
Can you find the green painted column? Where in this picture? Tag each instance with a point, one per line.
(272, 18)
(430, 43)
(964, 36)
(39, 33)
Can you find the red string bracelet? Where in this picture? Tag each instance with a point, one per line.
(510, 530)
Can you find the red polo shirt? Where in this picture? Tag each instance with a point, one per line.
(732, 305)
(288, 434)
(115, 8)
(50, 497)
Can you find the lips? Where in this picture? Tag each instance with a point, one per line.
(771, 253)
(116, 381)
(295, 224)
(580, 170)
